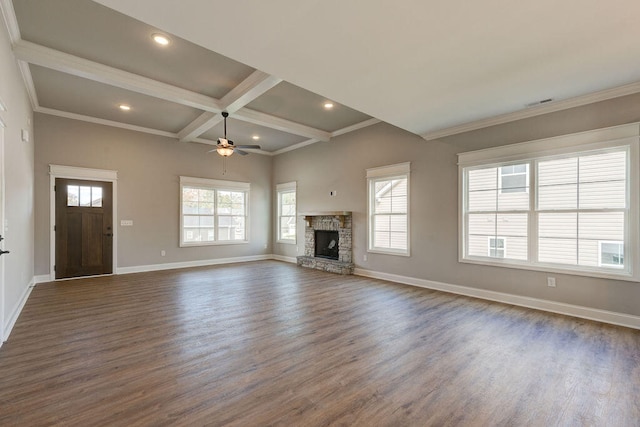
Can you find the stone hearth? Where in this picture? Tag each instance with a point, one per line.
(334, 221)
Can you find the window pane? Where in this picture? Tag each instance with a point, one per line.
(85, 196)
(482, 224)
(563, 225)
(513, 201)
(191, 222)
(484, 200)
(190, 208)
(96, 197)
(603, 195)
(558, 197)
(601, 225)
(205, 208)
(557, 251)
(73, 195)
(287, 228)
(512, 225)
(483, 179)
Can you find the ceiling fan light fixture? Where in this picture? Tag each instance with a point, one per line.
(225, 151)
(328, 105)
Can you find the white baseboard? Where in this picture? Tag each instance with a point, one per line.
(283, 258)
(186, 264)
(605, 316)
(43, 278)
(17, 309)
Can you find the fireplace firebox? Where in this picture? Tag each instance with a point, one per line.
(326, 244)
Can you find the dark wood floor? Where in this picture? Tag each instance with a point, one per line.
(269, 343)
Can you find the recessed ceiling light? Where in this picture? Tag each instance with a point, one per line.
(161, 39)
(328, 105)
(255, 137)
(124, 107)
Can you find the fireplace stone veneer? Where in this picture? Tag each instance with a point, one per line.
(332, 221)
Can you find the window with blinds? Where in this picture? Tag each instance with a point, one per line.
(556, 207)
(389, 209)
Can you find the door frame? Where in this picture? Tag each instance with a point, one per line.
(74, 172)
(2, 230)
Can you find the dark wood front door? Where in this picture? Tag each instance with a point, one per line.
(83, 229)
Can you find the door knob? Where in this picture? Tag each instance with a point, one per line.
(108, 234)
(4, 252)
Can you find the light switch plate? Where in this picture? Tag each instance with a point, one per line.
(126, 223)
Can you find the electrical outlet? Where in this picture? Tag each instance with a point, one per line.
(163, 253)
(551, 282)
(364, 257)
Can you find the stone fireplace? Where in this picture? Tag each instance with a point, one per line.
(327, 242)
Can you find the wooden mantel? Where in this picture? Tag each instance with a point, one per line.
(308, 216)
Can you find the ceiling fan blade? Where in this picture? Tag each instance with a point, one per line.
(256, 147)
(242, 153)
(211, 151)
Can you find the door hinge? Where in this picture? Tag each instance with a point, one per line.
(54, 268)
(55, 188)
(54, 228)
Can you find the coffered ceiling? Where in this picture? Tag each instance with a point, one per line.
(430, 67)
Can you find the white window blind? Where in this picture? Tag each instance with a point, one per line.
(564, 204)
(389, 209)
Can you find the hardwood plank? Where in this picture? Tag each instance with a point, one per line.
(269, 343)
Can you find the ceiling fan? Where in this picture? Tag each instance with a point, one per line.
(225, 147)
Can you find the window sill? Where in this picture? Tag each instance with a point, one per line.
(219, 243)
(286, 242)
(550, 268)
(388, 252)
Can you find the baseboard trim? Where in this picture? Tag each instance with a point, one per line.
(620, 319)
(187, 264)
(283, 258)
(17, 309)
(43, 278)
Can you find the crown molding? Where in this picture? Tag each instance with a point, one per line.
(537, 110)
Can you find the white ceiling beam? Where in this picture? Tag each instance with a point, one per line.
(200, 125)
(248, 90)
(90, 119)
(355, 127)
(262, 119)
(9, 15)
(70, 64)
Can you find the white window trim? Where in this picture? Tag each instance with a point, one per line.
(399, 170)
(599, 139)
(218, 185)
(286, 188)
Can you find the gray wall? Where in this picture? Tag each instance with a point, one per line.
(340, 165)
(18, 163)
(148, 189)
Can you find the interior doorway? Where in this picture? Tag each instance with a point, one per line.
(83, 218)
